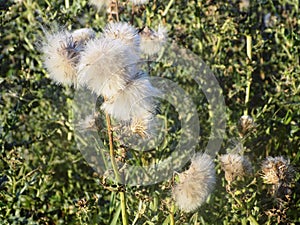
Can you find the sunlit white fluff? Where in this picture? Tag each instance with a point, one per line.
(99, 4)
(88, 123)
(142, 126)
(83, 35)
(124, 32)
(103, 66)
(235, 165)
(152, 41)
(139, 2)
(60, 56)
(135, 101)
(128, 35)
(195, 184)
(245, 125)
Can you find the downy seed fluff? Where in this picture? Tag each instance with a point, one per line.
(60, 56)
(195, 184)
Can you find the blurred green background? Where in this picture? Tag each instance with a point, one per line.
(43, 176)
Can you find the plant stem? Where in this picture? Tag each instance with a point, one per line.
(148, 20)
(249, 73)
(172, 211)
(117, 10)
(115, 169)
(236, 199)
(123, 208)
(111, 149)
(247, 95)
(167, 8)
(112, 153)
(67, 4)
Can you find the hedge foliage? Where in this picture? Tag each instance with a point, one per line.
(45, 180)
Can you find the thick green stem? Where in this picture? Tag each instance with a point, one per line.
(167, 8)
(148, 19)
(172, 211)
(123, 208)
(247, 94)
(116, 170)
(67, 4)
(249, 73)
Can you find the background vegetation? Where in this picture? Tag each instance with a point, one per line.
(44, 178)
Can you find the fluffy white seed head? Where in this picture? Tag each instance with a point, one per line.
(195, 184)
(103, 67)
(152, 41)
(88, 123)
(139, 2)
(124, 32)
(134, 101)
(61, 55)
(235, 165)
(83, 35)
(128, 35)
(162, 32)
(246, 124)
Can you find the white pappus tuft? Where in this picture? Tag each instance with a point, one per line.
(124, 32)
(152, 41)
(135, 101)
(128, 35)
(195, 184)
(103, 67)
(235, 165)
(88, 123)
(83, 35)
(60, 56)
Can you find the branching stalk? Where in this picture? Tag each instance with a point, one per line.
(116, 170)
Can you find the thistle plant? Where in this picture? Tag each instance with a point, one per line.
(61, 53)
(235, 165)
(151, 40)
(279, 173)
(108, 64)
(195, 184)
(106, 167)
